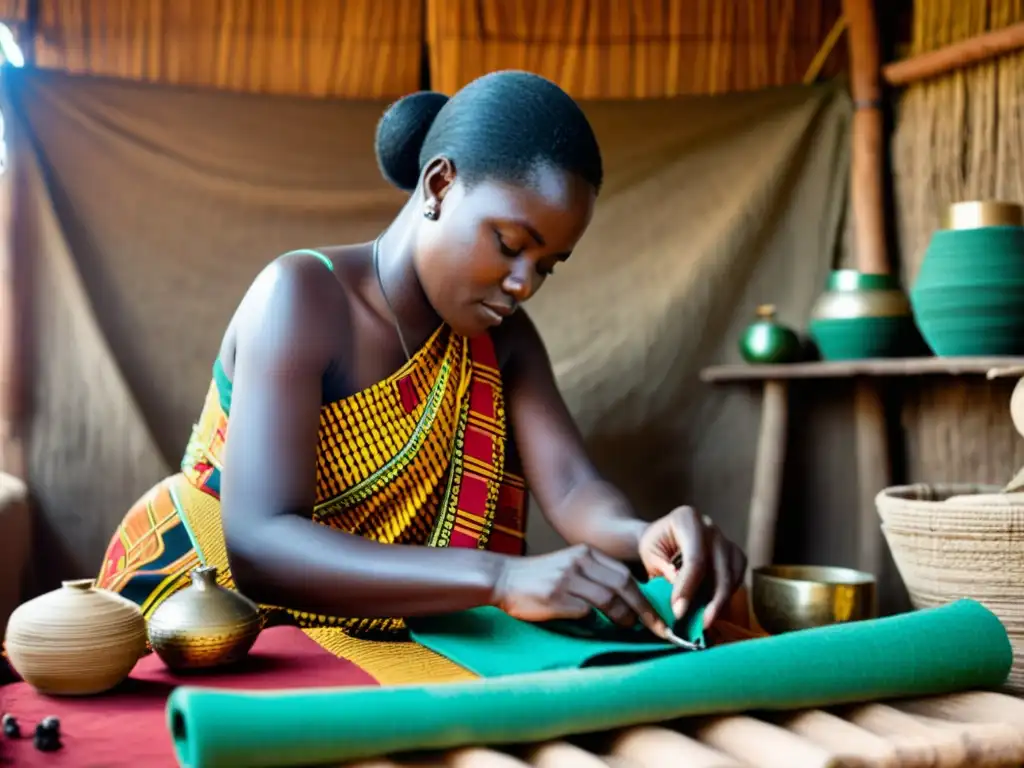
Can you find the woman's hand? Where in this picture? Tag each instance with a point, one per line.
(568, 584)
(696, 541)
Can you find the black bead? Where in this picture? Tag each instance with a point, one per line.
(47, 737)
(11, 728)
(46, 743)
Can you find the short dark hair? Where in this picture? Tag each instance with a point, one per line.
(502, 125)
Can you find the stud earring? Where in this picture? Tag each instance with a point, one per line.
(430, 211)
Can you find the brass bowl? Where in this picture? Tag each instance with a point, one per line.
(790, 597)
(974, 214)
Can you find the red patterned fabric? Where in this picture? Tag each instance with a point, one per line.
(126, 729)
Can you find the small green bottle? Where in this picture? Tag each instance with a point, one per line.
(766, 340)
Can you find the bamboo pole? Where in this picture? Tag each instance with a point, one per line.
(961, 54)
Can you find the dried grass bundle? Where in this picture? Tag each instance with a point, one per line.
(959, 136)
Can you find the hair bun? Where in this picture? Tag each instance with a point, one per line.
(400, 135)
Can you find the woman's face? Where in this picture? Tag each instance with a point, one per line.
(493, 244)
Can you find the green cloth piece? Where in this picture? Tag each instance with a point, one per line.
(955, 647)
(489, 642)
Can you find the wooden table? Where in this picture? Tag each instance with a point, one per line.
(874, 468)
(127, 728)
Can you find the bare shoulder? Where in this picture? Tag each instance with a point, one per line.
(517, 340)
(293, 310)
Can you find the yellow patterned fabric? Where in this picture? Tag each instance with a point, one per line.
(419, 458)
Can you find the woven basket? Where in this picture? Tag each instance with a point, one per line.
(963, 548)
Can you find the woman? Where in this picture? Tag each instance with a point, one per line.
(388, 405)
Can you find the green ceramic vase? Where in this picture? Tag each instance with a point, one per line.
(862, 316)
(969, 295)
(766, 340)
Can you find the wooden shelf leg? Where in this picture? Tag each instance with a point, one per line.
(768, 472)
(874, 472)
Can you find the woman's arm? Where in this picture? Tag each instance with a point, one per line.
(278, 555)
(585, 509)
(581, 506)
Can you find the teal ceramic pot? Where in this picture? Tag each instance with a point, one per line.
(861, 316)
(864, 338)
(969, 295)
(766, 340)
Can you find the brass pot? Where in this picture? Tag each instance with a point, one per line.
(975, 214)
(790, 597)
(204, 625)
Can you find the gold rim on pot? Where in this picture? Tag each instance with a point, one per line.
(974, 214)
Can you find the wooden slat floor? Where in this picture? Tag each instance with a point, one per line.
(975, 729)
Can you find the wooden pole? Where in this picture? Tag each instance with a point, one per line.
(866, 171)
(867, 197)
(956, 56)
(866, 192)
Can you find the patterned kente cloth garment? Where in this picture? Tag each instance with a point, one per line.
(423, 457)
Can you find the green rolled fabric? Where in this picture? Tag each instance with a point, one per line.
(489, 642)
(955, 647)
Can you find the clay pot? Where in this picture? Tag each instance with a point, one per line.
(766, 340)
(75, 641)
(862, 316)
(205, 625)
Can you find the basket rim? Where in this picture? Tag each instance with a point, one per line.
(910, 493)
(903, 499)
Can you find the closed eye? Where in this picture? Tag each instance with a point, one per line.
(505, 249)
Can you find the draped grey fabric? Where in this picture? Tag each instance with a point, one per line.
(146, 211)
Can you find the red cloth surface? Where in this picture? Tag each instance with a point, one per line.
(125, 728)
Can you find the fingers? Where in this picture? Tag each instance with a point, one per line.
(605, 600)
(688, 531)
(730, 566)
(608, 586)
(573, 607)
(722, 565)
(617, 577)
(660, 566)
